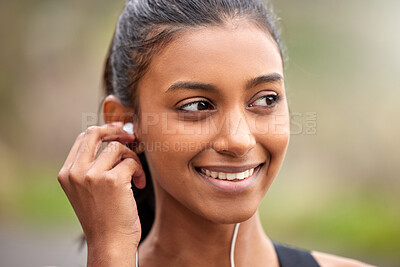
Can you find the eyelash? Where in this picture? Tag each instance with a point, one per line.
(275, 98)
(194, 103)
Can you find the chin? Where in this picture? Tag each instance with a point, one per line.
(230, 215)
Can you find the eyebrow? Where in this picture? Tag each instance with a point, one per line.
(270, 78)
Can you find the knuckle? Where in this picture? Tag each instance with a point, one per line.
(75, 174)
(61, 176)
(110, 180)
(116, 144)
(133, 163)
(80, 136)
(92, 130)
(90, 178)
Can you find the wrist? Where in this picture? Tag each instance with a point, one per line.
(122, 253)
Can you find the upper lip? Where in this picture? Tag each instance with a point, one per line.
(230, 169)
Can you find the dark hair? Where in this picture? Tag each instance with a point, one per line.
(143, 28)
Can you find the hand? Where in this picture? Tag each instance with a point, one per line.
(100, 193)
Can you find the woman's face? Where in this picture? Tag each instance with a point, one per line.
(214, 120)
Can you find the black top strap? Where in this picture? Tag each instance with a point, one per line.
(292, 257)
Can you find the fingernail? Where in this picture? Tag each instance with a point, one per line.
(128, 127)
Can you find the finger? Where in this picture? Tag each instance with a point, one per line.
(111, 155)
(129, 169)
(95, 135)
(72, 153)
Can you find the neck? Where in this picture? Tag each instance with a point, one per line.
(181, 238)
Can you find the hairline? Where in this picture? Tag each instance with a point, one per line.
(175, 31)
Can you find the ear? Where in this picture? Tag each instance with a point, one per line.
(114, 110)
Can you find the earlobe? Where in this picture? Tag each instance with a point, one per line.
(114, 110)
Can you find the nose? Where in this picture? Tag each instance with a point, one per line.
(234, 135)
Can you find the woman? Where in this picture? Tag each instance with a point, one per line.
(203, 84)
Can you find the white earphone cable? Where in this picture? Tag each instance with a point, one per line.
(137, 257)
(233, 243)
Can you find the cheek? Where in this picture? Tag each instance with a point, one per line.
(173, 140)
(277, 136)
(171, 168)
(169, 147)
(273, 134)
(277, 145)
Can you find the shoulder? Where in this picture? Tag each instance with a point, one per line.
(329, 260)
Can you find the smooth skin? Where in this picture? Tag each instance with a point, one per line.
(207, 99)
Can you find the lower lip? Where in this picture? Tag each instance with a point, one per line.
(232, 186)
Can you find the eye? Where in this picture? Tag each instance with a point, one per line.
(267, 101)
(197, 106)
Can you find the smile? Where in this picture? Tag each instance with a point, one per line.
(230, 179)
(227, 175)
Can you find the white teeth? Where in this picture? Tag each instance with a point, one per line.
(240, 175)
(231, 176)
(228, 176)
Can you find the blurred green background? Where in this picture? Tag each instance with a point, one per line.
(339, 188)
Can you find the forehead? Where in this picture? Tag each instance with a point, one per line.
(213, 54)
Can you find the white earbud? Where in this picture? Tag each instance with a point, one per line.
(128, 127)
